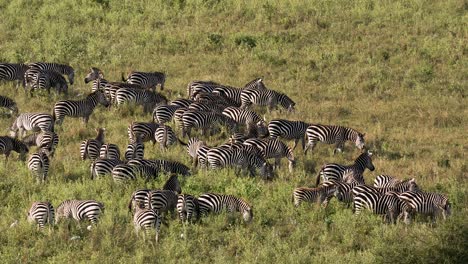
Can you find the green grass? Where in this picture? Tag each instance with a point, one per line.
(393, 69)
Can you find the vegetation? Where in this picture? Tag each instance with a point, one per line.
(393, 69)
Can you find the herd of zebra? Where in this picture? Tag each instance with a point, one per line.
(210, 107)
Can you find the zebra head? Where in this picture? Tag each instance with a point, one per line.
(94, 74)
(413, 187)
(71, 77)
(287, 103)
(102, 98)
(365, 159)
(266, 171)
(360, 141)
(262, 128)
(21, 148)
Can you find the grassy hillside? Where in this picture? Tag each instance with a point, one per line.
(395, 70)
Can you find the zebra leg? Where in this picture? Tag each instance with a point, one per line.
(277, 163)
(339, 147)
(295, 144)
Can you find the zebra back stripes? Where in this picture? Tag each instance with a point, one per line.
(146, 219)
(109, 151)
(38, 164)
(60, 68)
(125, 172)
(31, 122)
(266, 97)
(321, 195)
(81, 108)
(187, 207)
(204, 120)
(135, 150)
(80, 210)
(147, 79)
(13, 72)
(384, 204)
(8, 144)
(163, 166)
(41, 213)
(164, 113)
(212, 202)
(273, 148)
(47, 141)
(47, 79)
(165, 136)
(143, 130)
(337, 135)
(281, 128)
(102, 167)
(90, 148)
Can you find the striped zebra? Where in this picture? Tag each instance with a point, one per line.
(164, 113)
(137, 197)
(135, 150)
(242, 158)
(193, 147)
(60, 68)
(427, 203)
(281, 128)
(320, 195)
(173, 184)
(344, 191)
(386, 181)
(333, 171)
(13, 72)
(146, 219)
(30, 77)
(48, 79)
(80, 210)
(38, 164)
(207, 106)
(9, 104)
(231, 93)
(159, 200)
(8, 144)
(212, 98)
(266, 97)
(143, 130)
(148, 99)
(337, 135)
(273, 149)
(102, 167)
(109, 151)
(47, 141)
(193, 88)
(122, 173)
(181, 102)
(387, 204)
(254, 124)
(163, 166)
(165, 136)
(216, 203)
(90, 148)
(41, 213)
(205, 121)
(147, 80)
(81, 108)
(407, 186)
(31, 122)
(187, 207)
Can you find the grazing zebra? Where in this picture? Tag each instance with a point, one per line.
(9, 104)
(38, 164)
(32, 122)
(165, 136)
(273, 149)
(13, 72)
(245, 158)
(244, 116)
(281, 128)
(47, 79)
(139, 196)
(405, 186)
(187, 207)
(181, 102)
(135, 150)
(321, 195)
(207, 106)
(90, 148)
(382, 181)
(383, 204)
(193, 147)
(60, 68)
(344, 191)
(427, 203)
(125, 172)
(333, 135)
(8, 144)
(333, 171)
(173, 184)
(80, 210)
(193, 88)
(164, 113)
(30, 77)
(163, 200)
(146, 98)
(146, 219)
(163, 166)
(146, 79)
(143, 130)
(41, 213)
(81, 108)
(212, 202)
(44, 140)
(178, 114)
(102, 167)
(109, 151)
(205, 120)
(230, 93)
(266, 97)
(211, 98)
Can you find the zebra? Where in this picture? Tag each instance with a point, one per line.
(239, 157)
(13, 72)
(9, 104)
(143, 130)
(181, 102)
(256, 83)
(80, 210)
(165, 136)
(60, 68)
(212, 98)
(32, 122)
(163, 166)
(173, 184)
(213, 202)
(193, 88)
(30, 77)
(386, 181)
(109, 151)
(254, 124)
(124, 172)
(44, 140)
(137, 197)
(146, 219)
(90, 148)
(81, 108)
(344, 191)
(135, 150)
(8, 144)
(204, 120)
(281, 128)
(427, 203)
(159, 200)
(407, 186)
(101, 167)
(333, 171)
(38, 164)
(266, 97)
(333, 135)
(383, 204)
(146, 79)
(273, 148)
(41, 213)
(321, 195)
(230, 93)
(146, 98)
(193, 147)
(47, 79)
(187, 207)
(207, 106)
(164, 113)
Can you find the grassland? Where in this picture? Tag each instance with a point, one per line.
(396, 70)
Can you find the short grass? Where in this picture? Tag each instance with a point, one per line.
(393, 69)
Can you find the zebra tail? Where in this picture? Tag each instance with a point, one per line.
(93, 173)
(165, 137)
(85, 153)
